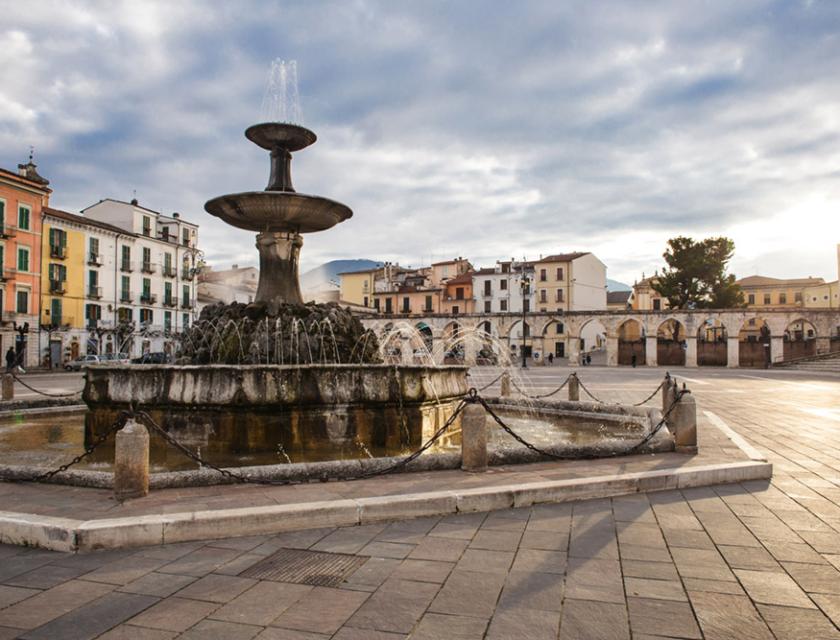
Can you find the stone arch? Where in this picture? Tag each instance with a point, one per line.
(712, 343)
(799, 339)
(552, 335)
(754, 343)
(592, 340)
(519, 340)
(453, 345)
(670, 343)
(426, 335)
(631, 342)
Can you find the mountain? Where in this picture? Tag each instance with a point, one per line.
(615, 285)
(325, 277)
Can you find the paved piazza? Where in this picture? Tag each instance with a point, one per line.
(755, 560)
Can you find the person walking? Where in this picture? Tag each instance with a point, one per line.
(11, 359)
(550, 358)
(633, 360)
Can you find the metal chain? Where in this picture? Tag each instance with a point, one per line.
(650, 397)
(119, 424)
(589, 393)
(636, 404)
(543, 395)
(44, 393)
(490, 384)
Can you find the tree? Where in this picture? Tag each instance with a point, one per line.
(695, 276)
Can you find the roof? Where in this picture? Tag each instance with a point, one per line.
(464, 278)
(27, 181)
(484, 272)
(130, 204)
(350, 273)
(618, 297)
(73, 217)
(564, 257)
(764, 281)
(456, 261)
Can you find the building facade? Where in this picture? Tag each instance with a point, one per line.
(763, 292)
(23, 195)
(570, 282)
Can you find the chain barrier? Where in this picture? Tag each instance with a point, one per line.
(44, 393)
(543, 395)
(491, 383)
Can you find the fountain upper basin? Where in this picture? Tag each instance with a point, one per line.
(278, 211)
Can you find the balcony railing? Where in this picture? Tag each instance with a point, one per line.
(126, 266)
(58, 251)
(186, 303)
(94, 259)
(94, 292)
(125, 296)
(7, 273)
(148, 298)
(58, 286)
(168, 271)
(170, 301)
(8, 231)
(187, 274)
(148, 267)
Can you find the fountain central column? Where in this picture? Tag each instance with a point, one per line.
(279, 252)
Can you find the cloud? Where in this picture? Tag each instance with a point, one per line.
(488, 130)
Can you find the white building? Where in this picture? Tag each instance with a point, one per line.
(499, 289)
(237, 284)
(154, 272)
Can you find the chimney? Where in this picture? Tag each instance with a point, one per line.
(134, 201)
(175, 214)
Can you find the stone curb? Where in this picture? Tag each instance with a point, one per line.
(750, 451)
(74, 535)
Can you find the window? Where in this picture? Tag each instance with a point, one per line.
(147, 226)
(406, 305)
(766, 298)
(167, 263)
(376, 303)
(782, 298)
(428, 303)
(93, 313)
(167, 293)
(488, 288)
(22, 301)
(388, 305)
(503, 285)
(93, 248)
(23, 259)
(147, 259)
(124, 314)
(455, 310)
(185, 235)
(126, 258)
(147, 290)
(24, 213)
(147, 316)
(55, 311)
(657, 304)
(503, 305)
(488, 306)
(58, 243)
(365, 301)
(559, 273)
(459, 293)
(751, 299)
(167, 321)
(526, 305)
(558, 295)
(543, 295)
(93, 278)
(2, 260)
(2, 212)
(543, 275)
(185, 320)
(58, 276)
(185, 294)
(797, 297)
(559, 328)
(125, 289)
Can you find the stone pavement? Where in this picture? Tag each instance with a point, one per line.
(755, 560)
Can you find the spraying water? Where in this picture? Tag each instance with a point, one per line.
(281, 100)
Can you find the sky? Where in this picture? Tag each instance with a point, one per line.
(482, 129)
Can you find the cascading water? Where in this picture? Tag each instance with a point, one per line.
(281, 99)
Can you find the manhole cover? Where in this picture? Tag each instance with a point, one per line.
(305, 567)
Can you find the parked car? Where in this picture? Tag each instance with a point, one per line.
(155, 357)
(81, 362)
(115, 358)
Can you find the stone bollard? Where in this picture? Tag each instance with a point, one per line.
(131, 461)
(505, 392)
(474, 438)
(8, 387)
(667, 392)
(574, 388)
(683, 424)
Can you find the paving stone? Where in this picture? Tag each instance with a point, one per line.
(262, 603)
(454, 530)
(496, 540)
(92, 619)
(275, 633)
(381, 549)
(713, 586)
(540, 560)
(350, 633)
(158, 584)
(423, 570)
(46, 577)
(830, 605)
(348, 539)
(701, 563)
(653, 570)
(768, 587)
(749, 558)
(725, 616)
(789, 623)
(7, 633)
(443, 549)
(244, 543)
(216, 588)
(323, 610)
(11, 595)
(531, 590)
(52, 603)
(23, 563)
(396, 606)
(547, 540)
(218, 630)
(633, 552)
(592, 620)
(821, 541)
(372, 573)
(124, 570)
(594, 579)
(641, 535)
(657, 589)
(174, 614)
(469, 593)
(240, 564)
(815, 578)
(200, 562)
(129, 632)
(172, 551)
(434, 626)
(523, 623)
(793, 552)
(485, 561)
(292, 540)
(688, 538)
(662, 618)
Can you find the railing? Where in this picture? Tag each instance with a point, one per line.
(148, 267)
(7, 273)
(94, 292)
(168, 271)
(94, 259)
(171, 301)
(8, 231)
(58, 252)
(187, 274)
(126, 266)
(186, 303)
(148, 298)
(58, 286)
(125, 296)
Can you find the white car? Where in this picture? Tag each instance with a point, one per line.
(82, 361)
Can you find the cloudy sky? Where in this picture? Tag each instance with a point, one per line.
(484, 129)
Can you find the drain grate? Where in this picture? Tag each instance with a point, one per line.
(305, 567)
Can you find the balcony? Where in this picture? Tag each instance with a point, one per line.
(59, 252)
(8, 231)
(186, 303)
(148, 267)
(168, 271)
(94, 292)
(94, 259)
(58, 286)
(170, 301)
(168, 237)
(148, 298)
(126, 266)
(187, 274)
(7, 273)
(125, 296)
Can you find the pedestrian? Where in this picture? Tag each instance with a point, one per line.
(550, 359)
(588, 359)
(11, 359)
(633, 360)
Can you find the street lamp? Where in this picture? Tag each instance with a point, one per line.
(525, 284)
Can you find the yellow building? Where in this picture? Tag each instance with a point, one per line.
(645, 298)
(570, 282)
(357, 287)
(763, 292)
(63, 256)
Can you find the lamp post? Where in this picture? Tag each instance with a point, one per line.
(525, 284)
(20, 347)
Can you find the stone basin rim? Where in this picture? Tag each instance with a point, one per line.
(276, 367)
